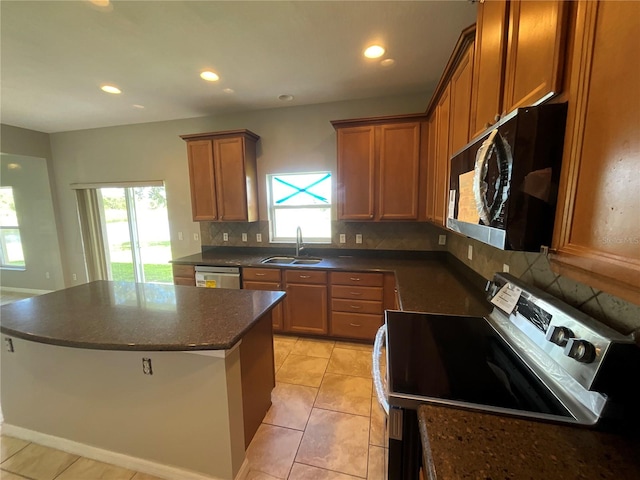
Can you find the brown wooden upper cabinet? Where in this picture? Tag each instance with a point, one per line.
(222, 173)
(597, 230)
(378, 168)
(519, 57)
(449, 124)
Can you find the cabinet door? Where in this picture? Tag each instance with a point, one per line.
(460, 104)
(597, 232)
(276, 314)
(431, 167)
(399, 159)
(488, 69)
(442, 157)
(231, 188)
(535, 51)
(306, 309)
(356, 173)
(202, 179)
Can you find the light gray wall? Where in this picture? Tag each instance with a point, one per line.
(41, 236)
(292, 139)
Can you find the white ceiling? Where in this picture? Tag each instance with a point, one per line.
(55, 54)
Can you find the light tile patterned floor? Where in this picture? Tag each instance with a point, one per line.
(324, 393)
(324, 424)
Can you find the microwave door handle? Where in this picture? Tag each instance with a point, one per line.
(381, 392)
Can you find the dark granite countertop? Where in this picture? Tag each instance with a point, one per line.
(129, 316)
(426, 281)
(459, 444)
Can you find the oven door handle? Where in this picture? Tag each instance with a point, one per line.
(381, 393)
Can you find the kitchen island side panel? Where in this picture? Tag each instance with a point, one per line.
(184, 415)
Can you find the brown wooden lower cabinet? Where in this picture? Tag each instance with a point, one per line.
(265, 279)
(305, 306)
(184, 275)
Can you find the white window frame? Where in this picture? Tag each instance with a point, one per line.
(3, 258)
(272, 208)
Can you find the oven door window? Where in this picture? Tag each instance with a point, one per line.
(462, 359)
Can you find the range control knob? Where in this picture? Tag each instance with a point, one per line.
(559, 335)
(580, 350)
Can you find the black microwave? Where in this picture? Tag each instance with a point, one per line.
(504, 184)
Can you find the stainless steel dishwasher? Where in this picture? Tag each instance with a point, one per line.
(217, 277)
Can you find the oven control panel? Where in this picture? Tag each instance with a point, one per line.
(574, 341)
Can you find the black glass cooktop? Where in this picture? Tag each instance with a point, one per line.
(463, 359)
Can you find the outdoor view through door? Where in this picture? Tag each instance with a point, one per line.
(136, 228)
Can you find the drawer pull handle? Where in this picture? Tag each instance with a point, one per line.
(305, 276)
(357, 294)
(355, 324)
(260, 274)
(355, 307)
(354, 279)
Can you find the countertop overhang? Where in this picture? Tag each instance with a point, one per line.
(135, 316)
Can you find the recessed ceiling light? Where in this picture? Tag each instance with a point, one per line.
(285, 97)
(387, 62)
(374, 51)
(209, 76)
(135, 105)
(228, 90)
(110, 89)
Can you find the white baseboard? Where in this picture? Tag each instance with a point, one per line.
(24, 290)
(107, 456)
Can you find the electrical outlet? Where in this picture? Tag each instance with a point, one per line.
(244, 237)
(8, 343)
(225, 237)
(470, 252)
(442, 240)
(358, 238)
(505, 268)
(258, 237)
(74, 276)
(47, 275)
(196, 236)
(146, 366)
(180, 236)
(343, 238)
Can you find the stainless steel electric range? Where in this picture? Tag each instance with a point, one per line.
(532, 356)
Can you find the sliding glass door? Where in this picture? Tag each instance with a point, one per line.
(135, 228)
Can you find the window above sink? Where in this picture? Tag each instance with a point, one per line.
(299, 200)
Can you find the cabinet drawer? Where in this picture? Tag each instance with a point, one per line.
(357, 293)
(184, 271)
(187, 281)
(357, 278)
(355, 325)
(261, 274)
(249, 285)
(305, 276)
(356, 306)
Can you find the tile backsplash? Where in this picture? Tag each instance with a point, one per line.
(533, 268)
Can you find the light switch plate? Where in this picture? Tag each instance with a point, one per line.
(505, 268)
(442, 240)
(180, 237)
(258, 237)
(343, 238)
(244, 237)
(196, 236)
(225, 237)
(470, 252)
(358, 238)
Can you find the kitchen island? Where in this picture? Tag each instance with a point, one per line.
(169, 380)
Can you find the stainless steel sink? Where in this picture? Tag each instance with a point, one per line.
(283, 260)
